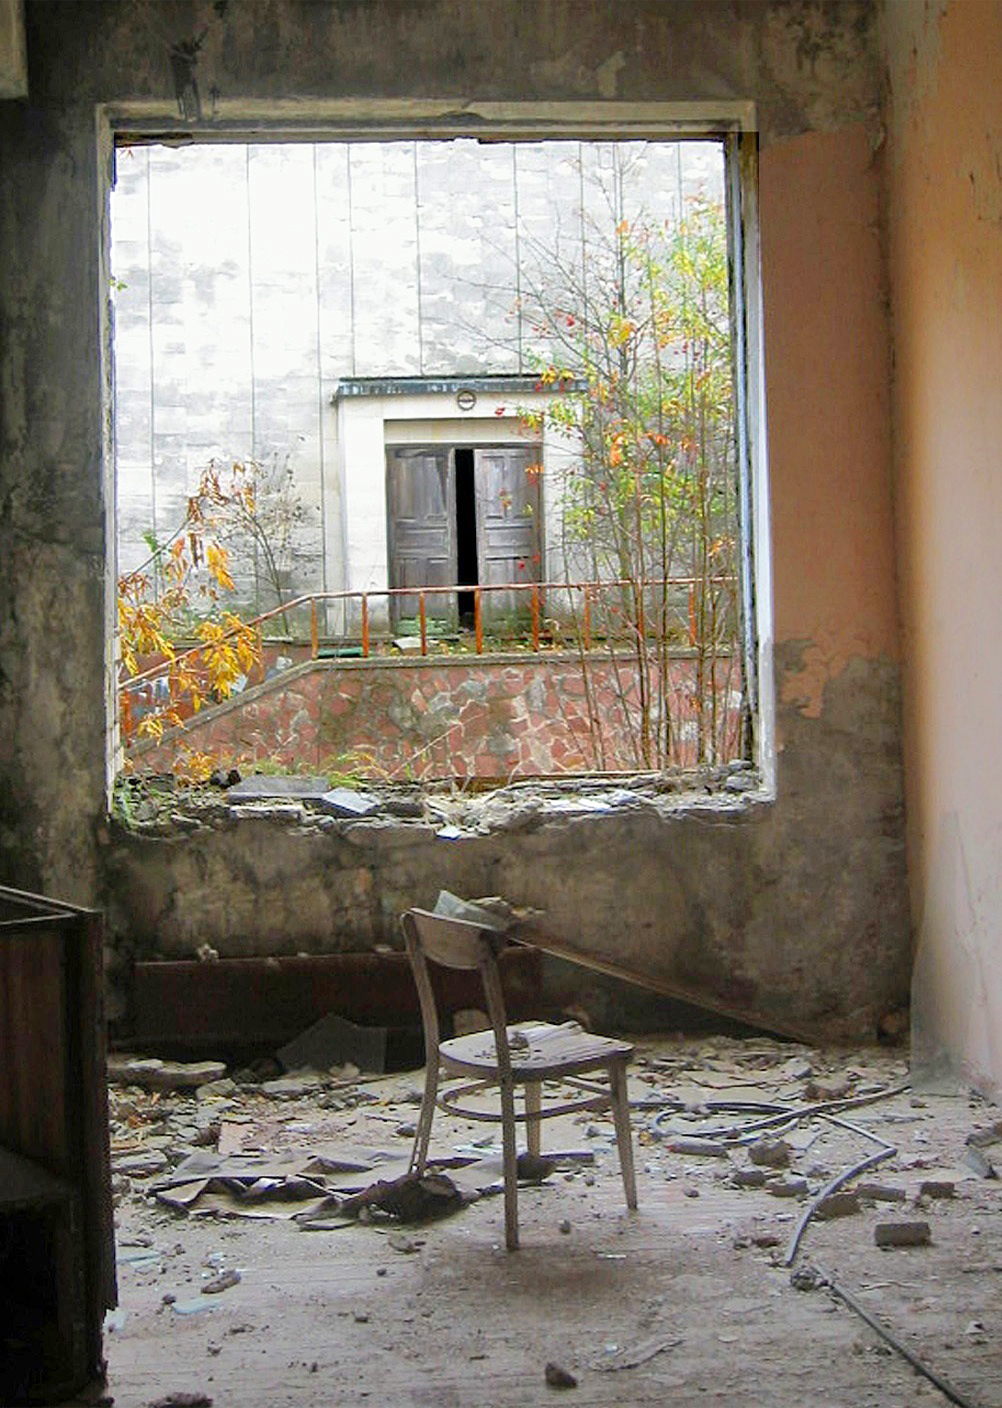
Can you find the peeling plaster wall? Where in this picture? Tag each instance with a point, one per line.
(792, 911)
(944, 177)
(13, 64)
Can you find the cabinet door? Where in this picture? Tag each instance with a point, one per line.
(421, 507)
(509, 527)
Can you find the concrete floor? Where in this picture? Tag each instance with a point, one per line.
(694, 1284)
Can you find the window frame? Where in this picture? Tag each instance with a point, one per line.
(365, 120)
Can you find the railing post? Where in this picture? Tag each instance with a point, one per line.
(365, 627)
(125, 715)
(535, 616)
(423, 615)
(478, 621)
(587, 618)
(314, 630)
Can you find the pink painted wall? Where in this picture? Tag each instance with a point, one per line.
(827, 386)
(944, 187)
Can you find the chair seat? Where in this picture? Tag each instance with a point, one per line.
(539, 1051)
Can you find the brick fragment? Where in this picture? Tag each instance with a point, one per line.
(880, 1193)
(902, 1234)
(837, 1205)
(937, 1188)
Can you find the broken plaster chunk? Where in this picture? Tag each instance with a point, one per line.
(770, 1153)
(287, 814)
(345, 801)
(407, 1246)
(806, 1278)
(558, 1377)
(978, 1163)
(699, 1148)
(258, 787)
(183, 1400)
(981, 1138)
(902, 1234)
(163, 1075)
(222, 1282)
(789, 1187)
(749, 1178)
(825, 1088)
(140, 1165)
(216, 1089)
(292, 1086)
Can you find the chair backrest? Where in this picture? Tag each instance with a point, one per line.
(455, 943)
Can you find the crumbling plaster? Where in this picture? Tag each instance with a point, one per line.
(944, 190)
(791, 909)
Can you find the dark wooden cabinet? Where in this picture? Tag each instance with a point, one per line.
(57, 1258)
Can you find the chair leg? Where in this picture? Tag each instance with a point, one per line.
(510, 1162)
(624, 1133)
(422, 1138)
(533, 1124)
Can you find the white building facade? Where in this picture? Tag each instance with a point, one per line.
(356, 313)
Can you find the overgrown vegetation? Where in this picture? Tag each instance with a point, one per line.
(636, 338)
(176, 597)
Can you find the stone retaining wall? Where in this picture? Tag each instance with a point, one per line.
(401, 720)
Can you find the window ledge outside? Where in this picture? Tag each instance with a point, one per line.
(451, 812)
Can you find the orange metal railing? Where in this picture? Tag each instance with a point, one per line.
(579, 623)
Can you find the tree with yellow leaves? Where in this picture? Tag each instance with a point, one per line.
(174, 598)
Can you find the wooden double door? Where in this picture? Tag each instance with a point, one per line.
(463, 516)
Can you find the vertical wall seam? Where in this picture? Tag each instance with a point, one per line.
(321, 455)
(151, 442)
(251, 336)
(518, 256)
(351, 260)
(417, 260)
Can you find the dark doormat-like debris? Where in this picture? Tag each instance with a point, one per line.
(411, 1198)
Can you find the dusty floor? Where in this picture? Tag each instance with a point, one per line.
(695, 1285)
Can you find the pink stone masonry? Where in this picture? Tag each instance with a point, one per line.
(446, 718)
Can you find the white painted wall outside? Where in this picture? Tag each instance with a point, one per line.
(249, 280)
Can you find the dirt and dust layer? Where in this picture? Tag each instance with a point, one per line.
(252, 1272)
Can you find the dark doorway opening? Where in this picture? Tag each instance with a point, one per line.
(467, 563)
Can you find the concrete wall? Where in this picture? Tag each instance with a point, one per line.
(793, 909)
(945, 247)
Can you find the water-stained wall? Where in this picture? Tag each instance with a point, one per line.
(792, 909)
(945, 255)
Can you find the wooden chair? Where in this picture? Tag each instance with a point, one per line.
(525, 1055)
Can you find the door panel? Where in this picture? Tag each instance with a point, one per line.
(509, 526)
(421, 509)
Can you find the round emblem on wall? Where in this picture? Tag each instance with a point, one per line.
(466, 400)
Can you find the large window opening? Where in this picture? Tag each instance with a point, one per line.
(479, 408)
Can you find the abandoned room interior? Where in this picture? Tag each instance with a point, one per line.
(334, 265)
